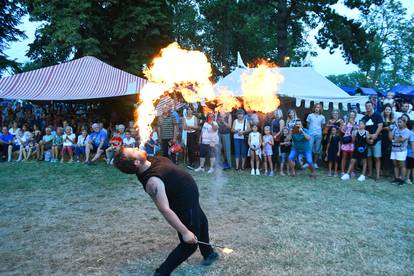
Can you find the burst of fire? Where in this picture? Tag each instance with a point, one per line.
(259, 88)
(175, 70)
(226, 102)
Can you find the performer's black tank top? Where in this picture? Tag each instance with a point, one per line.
(180, 187)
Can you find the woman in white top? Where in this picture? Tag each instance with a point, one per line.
(240, 128)
(14, 129)
(20, 143)
(209, 141)
(69, 139)
(190, 127)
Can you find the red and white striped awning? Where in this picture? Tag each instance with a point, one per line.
(84, 78)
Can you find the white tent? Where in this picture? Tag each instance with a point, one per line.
(302, 83)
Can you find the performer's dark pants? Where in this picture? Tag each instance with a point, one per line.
(196, 221)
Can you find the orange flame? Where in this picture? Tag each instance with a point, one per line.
(259, 88)
(226, 102)
(176, 69)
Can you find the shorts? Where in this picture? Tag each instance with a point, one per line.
(410, 163)
(307, 154)
(16, 147)
(316, 143)
(207, 151)
(240, 148)
(284, 157)
(398, 155)
(374, 150)
(48, 146)
(360, 155)
(95, 147)
(346, 154)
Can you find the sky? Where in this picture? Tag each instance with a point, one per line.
(322, 63)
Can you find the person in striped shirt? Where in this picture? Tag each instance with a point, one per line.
(167, 130)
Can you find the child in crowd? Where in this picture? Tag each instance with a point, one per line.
(268, 143)
(68, 142)
(57, 145)
(83, 139)
(399, 137)
(20, 144)
(360, 138)
(114, 144)
(30, 148)
(285, 146)
(129, 141)
(151, 144)
(333, 150)
(255, 140)
(410, 154)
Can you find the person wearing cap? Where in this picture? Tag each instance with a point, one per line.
(240, 128)
(175, 193)
(98, 142)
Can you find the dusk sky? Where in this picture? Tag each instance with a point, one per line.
(324, 63)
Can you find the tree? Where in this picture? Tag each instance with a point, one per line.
(11, 13)
(390, 57)
(125, 33)
(352, 80)
(278, 30)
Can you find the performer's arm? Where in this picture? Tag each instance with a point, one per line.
(156, 189)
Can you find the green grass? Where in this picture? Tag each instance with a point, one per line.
(77, 219)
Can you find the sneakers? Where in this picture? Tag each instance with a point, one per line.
(257, 172)
(345, 177)
(271, 173)
(306, 165)
(199, 169)
(265, 173)
(211, 170)
(252, 172)
(210, 259)
(401, 182)
(408, 181)
(315, 166)
(361, 178)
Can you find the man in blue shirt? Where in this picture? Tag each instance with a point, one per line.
(301, 145)
(98, 142)
(6, 142)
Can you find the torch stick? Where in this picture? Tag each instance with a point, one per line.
(213, 245)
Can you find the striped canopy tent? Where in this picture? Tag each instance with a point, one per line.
(80, 79)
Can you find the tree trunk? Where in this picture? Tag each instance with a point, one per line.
(282, 32)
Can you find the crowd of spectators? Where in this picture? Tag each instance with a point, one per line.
(347, 144)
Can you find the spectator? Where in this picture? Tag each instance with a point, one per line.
(315, 122)
(31, 147)
(209, 141)
(121, 131)
(151, 146)
(291, 119)
(373, 124)
(389, 122)
(360, 138)
(301, 145)
(410, 154)
(285, 146)
(98, 142)
(57, 144)
(20, 144)
(347, 145)
(405, 109)
(129, 141)
(268, 142)
(167, 130)
(333, 150)
(255, 151)
(6, 143)
(82, 142)
(225, 121)
(14, 129)
(46, 143)
(190, 127)
(399, 138)
(277, 125)
(114, 144)
(69, 140)
(240, 128)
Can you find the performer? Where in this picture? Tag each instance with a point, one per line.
(175, 194)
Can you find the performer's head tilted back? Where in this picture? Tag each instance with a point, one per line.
(130, 160)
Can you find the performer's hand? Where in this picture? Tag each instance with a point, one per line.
(189, 237)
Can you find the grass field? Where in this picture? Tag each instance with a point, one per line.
(75, 219)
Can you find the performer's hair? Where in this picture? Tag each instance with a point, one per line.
(124, 163)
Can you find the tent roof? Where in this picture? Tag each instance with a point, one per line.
(302, 83)
(403, 90)
(366, 91)
(349, 90)
(84, 78)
